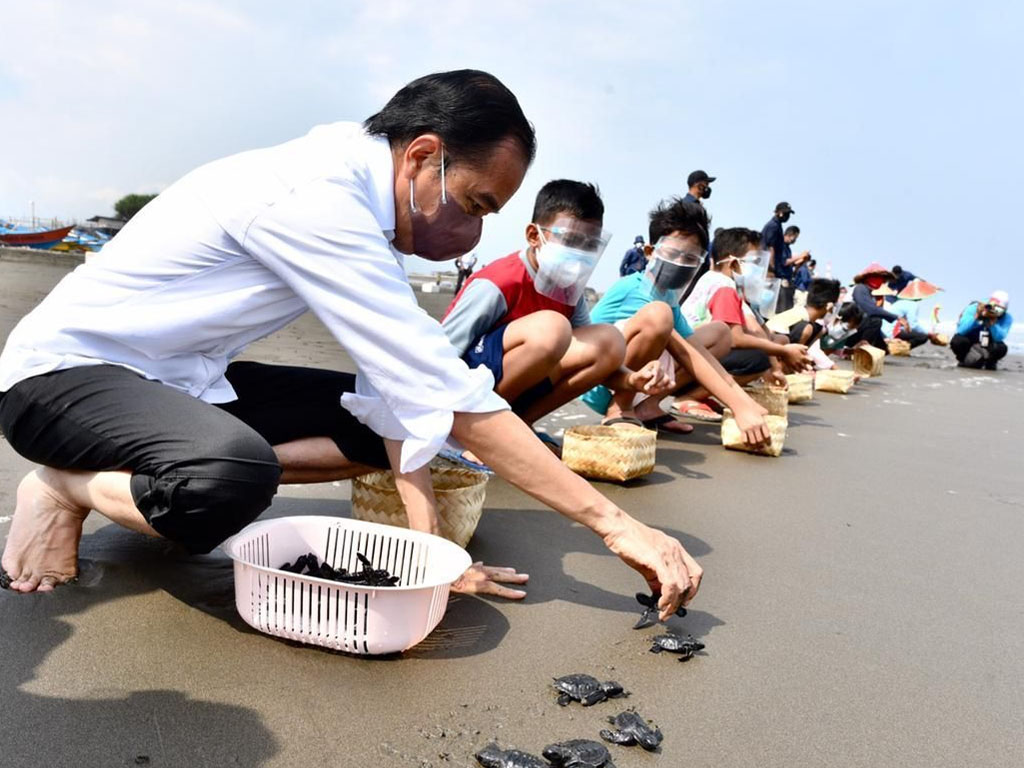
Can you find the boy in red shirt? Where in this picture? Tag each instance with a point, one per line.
(524, 316)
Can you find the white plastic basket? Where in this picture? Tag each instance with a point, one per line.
(344, 617)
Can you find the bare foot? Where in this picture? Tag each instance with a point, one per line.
(42, 547)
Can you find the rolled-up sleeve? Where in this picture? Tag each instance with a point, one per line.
(325, 242)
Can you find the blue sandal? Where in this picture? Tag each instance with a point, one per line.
(456, 457)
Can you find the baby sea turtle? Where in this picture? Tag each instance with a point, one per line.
(578, 753)
(630, 729)
(493, 756)
(684, 646)
(650, 604)
(585, 689)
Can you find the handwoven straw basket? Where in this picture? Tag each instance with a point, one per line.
(940, 339)
(459, 493)
(898, 347)
(617, 453)
(868, 360)
(801, 387)
(732, 438)
(834, 380)
(774, 399)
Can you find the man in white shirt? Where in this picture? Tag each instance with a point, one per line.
(119, 384)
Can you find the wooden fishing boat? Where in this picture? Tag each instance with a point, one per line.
(43, 240)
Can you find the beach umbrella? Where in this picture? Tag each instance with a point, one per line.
(874, 268)
(918, 289)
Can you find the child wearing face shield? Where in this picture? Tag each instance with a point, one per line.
(645, 308)
(716, 298)
(525, 318)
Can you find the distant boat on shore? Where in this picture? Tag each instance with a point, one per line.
(20, 237)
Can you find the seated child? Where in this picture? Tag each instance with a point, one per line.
(645, 307)
(716, 299)
(803, 324)
(524, 316)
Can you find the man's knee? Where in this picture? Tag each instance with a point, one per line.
(605, 346)
(198, 502)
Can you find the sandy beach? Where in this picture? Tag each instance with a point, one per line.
(862, 607)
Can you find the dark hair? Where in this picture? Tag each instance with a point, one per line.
(823, 292)
(812, 263)
(470, 110)
(897, 270)
(576, 198)
(851, 313)
(794, 230)
(677, 215)
(719, 230)
(733, 242)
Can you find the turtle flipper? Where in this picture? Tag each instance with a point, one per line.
(593, 698)
(617, 737)
(564, 699)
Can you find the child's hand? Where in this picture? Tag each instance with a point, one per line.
(652, 379)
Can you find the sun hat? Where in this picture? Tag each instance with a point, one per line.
(1000, 299)
(918, 289)
(874, 268)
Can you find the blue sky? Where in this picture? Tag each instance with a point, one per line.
(893, 128)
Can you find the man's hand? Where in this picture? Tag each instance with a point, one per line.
(480, 579)
(660, 559)
(795, 356)
(751, 423)
(652, 379)
(778, 378)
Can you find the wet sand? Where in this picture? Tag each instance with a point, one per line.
(862, 607)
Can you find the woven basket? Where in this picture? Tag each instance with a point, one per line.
(940, 339)
(616, 453)
(773, 399)
(868, 360)
(459, 493)
(732, 438)
(898, 347)
(801, 387)
(834, 380)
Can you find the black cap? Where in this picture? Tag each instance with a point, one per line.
(638, 239)
(784, 208)
(698, 176)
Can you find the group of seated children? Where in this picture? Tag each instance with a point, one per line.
(690, 324)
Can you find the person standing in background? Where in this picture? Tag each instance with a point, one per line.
(901, 278)
(635, 259)
(778, 242)
(699, 184)
(465, 265)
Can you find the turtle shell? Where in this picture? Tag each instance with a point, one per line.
(577, 685)
(582, 753)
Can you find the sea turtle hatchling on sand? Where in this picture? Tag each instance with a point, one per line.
(493, 756)
(631, 728)
(585, 689)
(650, 604)
(684, 646)
(578, 753)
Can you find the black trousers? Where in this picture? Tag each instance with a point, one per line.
(971, 354)
(200, 472)
(869, 330)
(746, 362)
(915, 338)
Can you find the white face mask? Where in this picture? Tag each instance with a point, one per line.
(562, 270)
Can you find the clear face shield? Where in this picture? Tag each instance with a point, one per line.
(569, 251)
(674, 266)
(753, 272)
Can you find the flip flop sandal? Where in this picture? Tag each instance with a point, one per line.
(457, 458)
(658, 424)
(698, 411)
(622, 420)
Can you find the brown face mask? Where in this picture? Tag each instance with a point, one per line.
(446, 233)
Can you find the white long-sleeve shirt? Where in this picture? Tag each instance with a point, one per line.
(236, 250)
